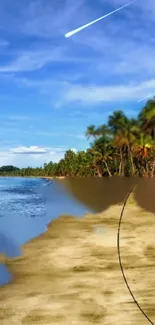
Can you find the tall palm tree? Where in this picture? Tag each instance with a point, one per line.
(103, 130)
(92, 131)
(147, 118)
(118, 123)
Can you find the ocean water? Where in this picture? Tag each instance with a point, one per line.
(27, 205)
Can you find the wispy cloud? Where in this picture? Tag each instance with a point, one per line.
(113, 93)
(30, 61)
(67, 92)
(38, 59)
(36, 150)
(37, 17)
(29, 150)
(16, 118)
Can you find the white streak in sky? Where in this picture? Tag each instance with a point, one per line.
(95, 21)
(148, 96)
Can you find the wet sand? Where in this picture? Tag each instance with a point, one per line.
(70, 275)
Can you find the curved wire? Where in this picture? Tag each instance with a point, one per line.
(119, 256)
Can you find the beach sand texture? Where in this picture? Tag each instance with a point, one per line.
(70, 275)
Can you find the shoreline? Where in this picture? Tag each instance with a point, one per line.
(41, 177)
(70, 274)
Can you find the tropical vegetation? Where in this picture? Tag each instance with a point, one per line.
(124, 146)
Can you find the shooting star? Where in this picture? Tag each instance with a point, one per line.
(95, 21)
(148, 96)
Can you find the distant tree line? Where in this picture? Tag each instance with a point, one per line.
(121, 147)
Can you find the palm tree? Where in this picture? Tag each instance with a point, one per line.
(147, 118)
(92, 131)
(70, 160)
(102, 153)
(117, 123)
(103, 130)
(141, 150)
(96, 160)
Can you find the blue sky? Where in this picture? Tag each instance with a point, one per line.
(52, 87)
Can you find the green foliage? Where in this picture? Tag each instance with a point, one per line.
(121, 147)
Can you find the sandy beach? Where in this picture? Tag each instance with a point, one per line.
(70, 275)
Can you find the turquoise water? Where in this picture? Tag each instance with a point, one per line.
(27, 205)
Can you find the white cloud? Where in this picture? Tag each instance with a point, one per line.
(113, 93)
(32, 156)
(29, 150)
(37, 59)
(33, 60)
(74, 150)
(67, 92)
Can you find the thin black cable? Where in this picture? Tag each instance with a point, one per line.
(119, 256)
(118, 248)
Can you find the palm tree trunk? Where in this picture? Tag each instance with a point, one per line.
(131, 161)
(153, 169)
(120, 165)
(115, 163)
(139, 169)
(99, 174)
(120, 168)
(108, 170)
